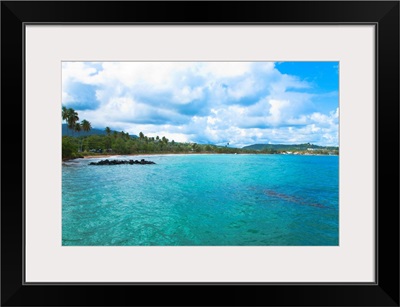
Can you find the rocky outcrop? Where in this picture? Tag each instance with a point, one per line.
(118, 162)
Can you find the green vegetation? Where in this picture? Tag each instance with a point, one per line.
(70, 147)
(292, 147)
(302, 149)
(113, 142)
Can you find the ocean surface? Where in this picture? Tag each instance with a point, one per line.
(202, 200)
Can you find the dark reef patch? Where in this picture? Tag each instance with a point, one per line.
(118, 162)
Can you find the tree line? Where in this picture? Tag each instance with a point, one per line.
(114, 142)
(72, 120)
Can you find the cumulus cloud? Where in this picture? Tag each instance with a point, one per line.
(205, 102)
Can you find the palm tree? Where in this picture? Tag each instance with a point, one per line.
(72, 119)
(86, 126)
(64, 114)
(108, 130)
(70, 116)
(77, 127)
(108, 138)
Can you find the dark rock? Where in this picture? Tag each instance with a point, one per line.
(118, 162)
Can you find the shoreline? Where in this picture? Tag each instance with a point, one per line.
(153, 154)
(101, 156)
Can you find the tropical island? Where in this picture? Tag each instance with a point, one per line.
(78, 142)
(200, 153)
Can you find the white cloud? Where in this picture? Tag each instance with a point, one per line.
(217, 70)
(275, 111)
(77, 72)
(217, 102)
(66, 98)
(186, 94)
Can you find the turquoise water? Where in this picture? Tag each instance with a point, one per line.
(206, 200)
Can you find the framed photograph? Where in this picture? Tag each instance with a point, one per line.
(243, 146)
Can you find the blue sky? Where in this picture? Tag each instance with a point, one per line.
(240, 103)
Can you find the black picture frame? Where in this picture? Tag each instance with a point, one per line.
(383, 14)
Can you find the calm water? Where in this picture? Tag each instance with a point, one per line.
(203, 200)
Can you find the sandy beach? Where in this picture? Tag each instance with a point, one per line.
(102, 156)
(148, 154)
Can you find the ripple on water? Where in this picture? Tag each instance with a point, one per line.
(202, 200)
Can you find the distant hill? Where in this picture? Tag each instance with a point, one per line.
(93, 131)
(288, 147)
